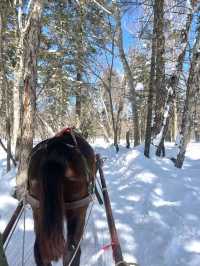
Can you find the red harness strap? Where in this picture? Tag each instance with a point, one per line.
(66, 130)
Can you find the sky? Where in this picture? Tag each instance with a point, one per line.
(130, 27)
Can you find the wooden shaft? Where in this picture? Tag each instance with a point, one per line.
(116, 248)
(11, 222)
(3, 261)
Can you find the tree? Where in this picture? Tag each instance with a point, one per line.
(175, 78)
(191, 93)
(113, 100)
(4, 85)
(18, 78)
(151, 87)
(73, 33)
(31, 38)
(127, 71)
(160, 89)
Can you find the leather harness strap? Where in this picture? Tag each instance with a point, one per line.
(35, 203)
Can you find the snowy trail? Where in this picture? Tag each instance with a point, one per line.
(156, 209)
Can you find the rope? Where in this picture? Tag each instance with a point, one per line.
(77, 247)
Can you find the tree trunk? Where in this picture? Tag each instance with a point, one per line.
(107, 127)
(128, 74)
(18, 84)
(78, 94)
(4, 82)
(16, 98)
(8, 135)
(191, 93)
(148, 132)
(108, 88)
(80, 58)
(175, 118)
(168, 108)
(2, 88)
(173, 83)
(160, 65)
(31, 44)
(2, 74)
(115, 132)
(128, 139)
(117, 125)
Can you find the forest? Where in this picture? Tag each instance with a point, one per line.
(123, 72)
(127, 69)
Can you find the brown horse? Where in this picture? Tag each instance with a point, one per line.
(60, 177)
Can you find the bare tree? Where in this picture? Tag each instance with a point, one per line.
(18, 77)
(4, 86)
(191, 93)
(151, 88)
(30, 48)
(175, 78)
(128, 73)
(160, 89)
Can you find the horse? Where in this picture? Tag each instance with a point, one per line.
(61, 176)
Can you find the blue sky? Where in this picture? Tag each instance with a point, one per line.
(129, 27)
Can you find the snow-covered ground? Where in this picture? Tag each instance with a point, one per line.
(156, 208)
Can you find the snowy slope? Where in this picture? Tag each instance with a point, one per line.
(156, 208)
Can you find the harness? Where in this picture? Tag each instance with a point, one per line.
(35, 203)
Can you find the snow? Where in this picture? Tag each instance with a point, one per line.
(189, 4)
(156, 208)
(139, 86)
(52, 50)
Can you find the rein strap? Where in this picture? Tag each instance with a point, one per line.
(35, 203)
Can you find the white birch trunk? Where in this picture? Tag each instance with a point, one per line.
(191, 93)
(174, 80)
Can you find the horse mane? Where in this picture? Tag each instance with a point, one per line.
(51, 227)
